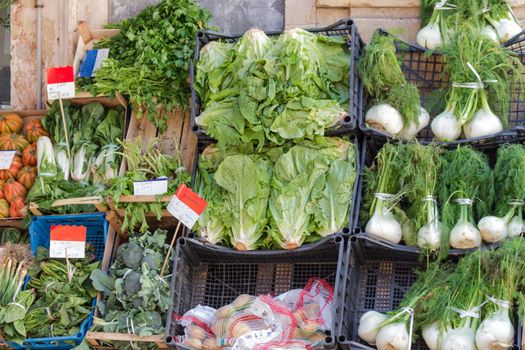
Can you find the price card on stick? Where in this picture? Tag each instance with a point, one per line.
(6, 158)
(186, 206)
(67, 242)
(150, 187)
(60, 83)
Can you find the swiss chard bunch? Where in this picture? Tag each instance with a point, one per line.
(133, 290)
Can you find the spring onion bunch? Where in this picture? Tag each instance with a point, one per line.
(465, 180)
(395, 102)
(481, 73)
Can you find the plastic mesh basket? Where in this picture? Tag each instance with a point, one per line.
(425, 69)
(377, 278)
(213, 277)
(352, 214)
(370, 148)
(97, 228)
(345, 28)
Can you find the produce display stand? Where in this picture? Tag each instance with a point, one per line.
(210, 276)
(425, 69)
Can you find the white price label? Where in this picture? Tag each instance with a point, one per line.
(182, 212)
(61, 90)
(67, 249)
(150, 188)
(6, 158)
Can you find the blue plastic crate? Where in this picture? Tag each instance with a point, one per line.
(97, 229)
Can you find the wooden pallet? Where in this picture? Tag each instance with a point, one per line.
(96, 339)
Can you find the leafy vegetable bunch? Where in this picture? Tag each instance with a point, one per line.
(280, 197)
(92, 160)
(63, 295)
(135, 296)
(272, 89)
(145, 162)
(149, 58)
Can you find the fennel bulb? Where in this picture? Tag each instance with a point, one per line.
(411, 130)
(507, 28)
(459, 339)
(429, 235)
(430, 37)
(516, 225)
(383, 224)
(384, 117)
(445, 126)
(432, 335)
(484, 122)
(393, 336)
(495, 229)
(464, 235)
(495, 331)
(489, 33)
(369, 325)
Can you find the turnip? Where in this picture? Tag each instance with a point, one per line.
(383, 224)
(495, 331)
(410, 131)
(459, 339)
(369, 325)
(484, 122)
(445, 126)
(495, 229)
(464, 235)
(384, 117)
(393, 337)
(432, 335)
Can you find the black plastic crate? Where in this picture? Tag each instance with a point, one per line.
(214, 277)
(377, 278)
(345, 28)
(371, 146)
(356, 195)
(425, 69)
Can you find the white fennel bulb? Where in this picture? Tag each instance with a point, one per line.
(411, 130)
(507, 29)
(430, 37)
(383, 224)
(495, 331)
(489, 33)
(445, 126)
(464, 235)
(459, 339)
(483, 123)
(384, 117)
(369, 325)
(393, 337)
(495, 229)
(429, 235)
(516, 226)
(432, 335)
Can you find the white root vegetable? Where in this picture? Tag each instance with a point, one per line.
(495, 331)
(430, 36)
(411, 130)
(369, 326)
(429, 236)
(445, 126)
(385, 117)
(383, 224)
(393, 337)
(432, 335)
(464, 235)
(483, 123)
(507, 28)
(459, 339)
(489, 33)
(495, 229)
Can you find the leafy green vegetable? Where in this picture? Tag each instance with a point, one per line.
(509, 180)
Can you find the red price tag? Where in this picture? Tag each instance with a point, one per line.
(60, 83)
(186, 206)
(67, 241)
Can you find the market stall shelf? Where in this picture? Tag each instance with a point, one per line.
(425, 68)
(96, 339)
